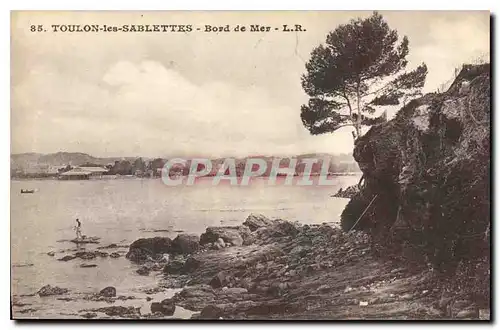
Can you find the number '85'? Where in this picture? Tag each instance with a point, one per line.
(36, 28)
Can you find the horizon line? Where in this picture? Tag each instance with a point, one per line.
(181, 156)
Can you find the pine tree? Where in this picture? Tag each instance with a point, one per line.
(359, 70)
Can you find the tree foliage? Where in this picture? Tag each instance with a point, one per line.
(359, 69)
(123, 167)
(139, 165)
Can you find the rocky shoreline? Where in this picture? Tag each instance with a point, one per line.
(276, 269)
(348, 192)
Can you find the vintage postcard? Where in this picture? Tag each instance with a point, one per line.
(261, 165)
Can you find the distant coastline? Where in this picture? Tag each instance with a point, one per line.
(74, 166)
(131, 177)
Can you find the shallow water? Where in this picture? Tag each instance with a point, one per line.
(122, 210)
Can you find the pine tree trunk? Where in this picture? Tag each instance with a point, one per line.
(357, 130)
(357, 125)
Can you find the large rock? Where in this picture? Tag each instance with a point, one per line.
(120, 311)
(278, 228)
(468, 314)
(175, 265)
(67, 258)
(186, 244)
(165, 307)
(256, 221)
(235, 235)
(196, 296)
(86, 255)
(348, 192)
(220, 280)
(108, 292)
(285, 228)
(179, 265)
(242, 309)
(144, 249)
(191, 264)
(88, 266)
(49, 290)
(299, 251)
(143, 270)
(211, 312)
(427, 173)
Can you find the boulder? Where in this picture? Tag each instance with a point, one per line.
(256, 221)
(174, 266)
(85, 255)
(220, 244)
(285, 228)
(299, 251)
(348, 192)
(196, 297)
(67, 258)
(279, 228)
(88, 266)
(154, 266)
(469, 313)
(186, 244)
(122, 311)
(235, 291)
(49, 290)
(179, 265)
(143, 271)
(108, 292)
(236, 235)
(143, 249)
(22, 265)
(110, 246)
(191, 264)
(211, 312)
(165, 307)
(114, 255)
(220, 280)
(51, 253)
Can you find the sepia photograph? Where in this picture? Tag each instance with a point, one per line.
(250, 165)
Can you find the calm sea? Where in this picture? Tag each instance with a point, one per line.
(122, 210)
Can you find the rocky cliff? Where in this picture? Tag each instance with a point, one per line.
(427, 174)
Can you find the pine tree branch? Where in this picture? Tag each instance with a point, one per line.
(348, 101)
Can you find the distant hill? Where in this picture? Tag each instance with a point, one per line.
(26, 161)
(30, 160)
(337, 163)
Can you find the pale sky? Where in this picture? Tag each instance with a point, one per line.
(211, 94)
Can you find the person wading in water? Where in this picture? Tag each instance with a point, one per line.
(78, 229)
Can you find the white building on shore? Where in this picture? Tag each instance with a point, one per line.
(84, 173)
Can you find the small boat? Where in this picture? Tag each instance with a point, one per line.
(26, 191)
